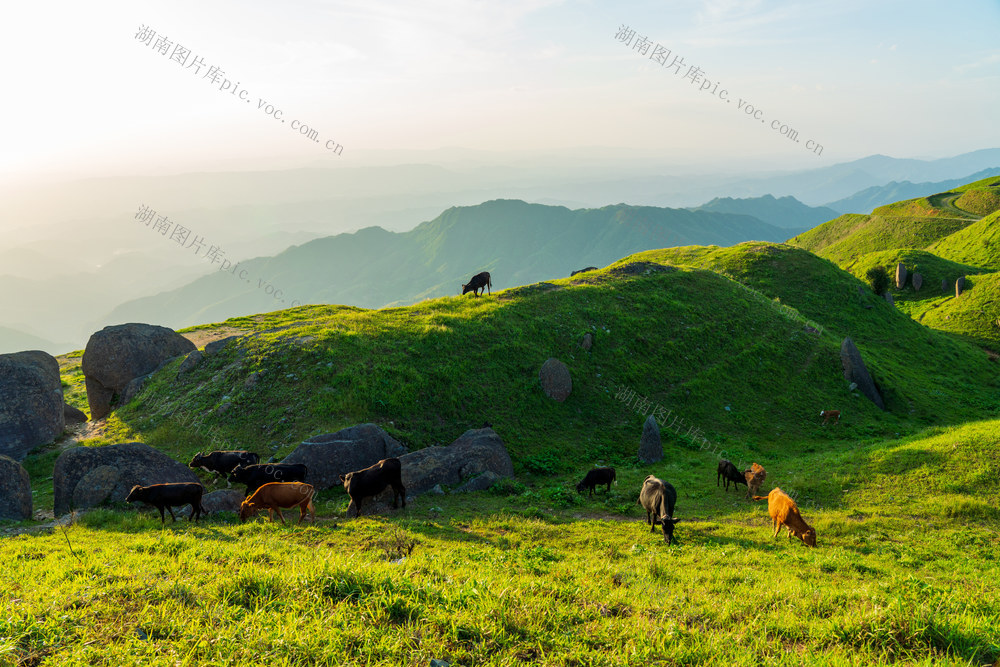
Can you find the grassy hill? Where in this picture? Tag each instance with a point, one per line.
(904, 501)
(518, 243)
(870, 198)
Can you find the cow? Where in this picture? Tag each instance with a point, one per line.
(729, 473)
(827, 415)
(222, 462)
(169, 496)
(479, 282)
(255, 476)
(275, 495)
(784, 512)
(595, 477)
(755, 476)
(361, 484)
(658, 499)
(589, 268)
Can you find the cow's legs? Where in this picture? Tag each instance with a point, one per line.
(278, 510)
(171, 510)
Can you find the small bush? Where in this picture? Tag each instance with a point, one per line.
(878, 279)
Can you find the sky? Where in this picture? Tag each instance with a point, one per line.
(397, 81)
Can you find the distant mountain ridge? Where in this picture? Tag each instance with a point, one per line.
(867, 200)
(787, 212)
(519, 243)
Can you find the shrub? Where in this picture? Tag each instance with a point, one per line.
(878, 279)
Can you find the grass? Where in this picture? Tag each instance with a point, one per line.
(905, 571)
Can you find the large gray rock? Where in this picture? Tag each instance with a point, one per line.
(15, 490)
(476, 453)
(333, 454)
(31, 402)
(95, 487)
(650, 445)
(918, 281)
(888, 298)
(856, 372)
(136, 463)
(116, 355)
(480, 483)
(900, 276)
(223, 500)
(216, 346)
(555, 378)
(959, 285)
(72, 415)
(190, 361)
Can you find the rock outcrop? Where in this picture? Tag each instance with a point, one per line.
(330, 455)
(134, 463)
(116, 355)
(31, 402)
(15, 490)
(857, 373)
(650, 445)
(555, 378)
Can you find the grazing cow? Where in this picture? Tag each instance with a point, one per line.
(595, 477)
(276, 495)
(658, 499)
(255, 476)
(784, 512)
(755, 476)
(827, 415)
(479, 282)
(361, 484)
(589, 268)
(222, 462)
(728, 472)
(169, 496)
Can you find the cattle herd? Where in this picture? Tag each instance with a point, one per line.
(277, 486)
(659, 498)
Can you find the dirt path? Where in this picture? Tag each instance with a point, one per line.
(946, 200)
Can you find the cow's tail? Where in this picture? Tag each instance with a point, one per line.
(760, 497)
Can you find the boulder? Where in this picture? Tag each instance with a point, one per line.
(856, 372)
(588, 341)
(216, 345)
(333, 454)
(918, 281)
(73, 416)
(476, 453)
(95, 487)
(959, 285)
(15, 490)
(944, 285)
(555, 378)
(888, 298)
(31, 402)
(136, 463)
(480, 483)
(900, 276)
(116, 355)
(650, 445)
(223, 500)
(190, 361)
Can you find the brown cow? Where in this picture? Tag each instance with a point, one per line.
(371, 481)
(275, 495)
(755, 476)
(784, 512)
(827, 415)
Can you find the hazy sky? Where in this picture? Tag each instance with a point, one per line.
(82, 95)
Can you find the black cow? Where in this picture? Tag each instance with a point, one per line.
(257, 475)
(728, 472)
(361, 484)
(479, 282)
(168, 496)
(222, 462)
(595, 477)
(658, 498)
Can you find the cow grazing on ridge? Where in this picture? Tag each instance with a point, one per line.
(168, 496)
(371, 481)
(784, 512)
(274, 496)
(658, 499)
(255, 476)
(728, 472)
(755, 476)
(596, 477)
(222, 462)
(827, 415)
(479, 282)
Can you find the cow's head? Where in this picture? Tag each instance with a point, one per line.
(134, 494)
(809, 537)
(247, 510)
(580, 487)
(196, 462)
(466, 289)
(346, 479)
(236, 474)
(668, 528)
